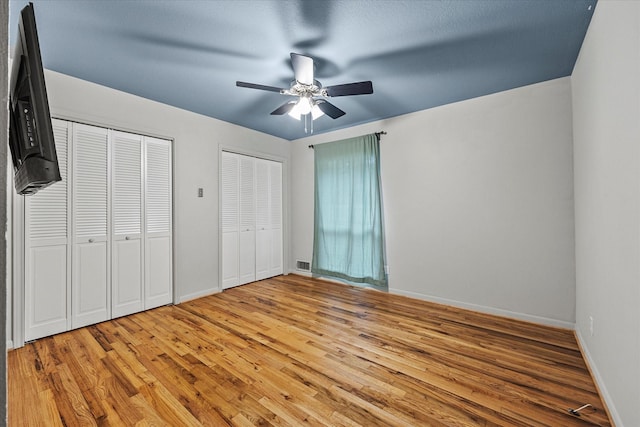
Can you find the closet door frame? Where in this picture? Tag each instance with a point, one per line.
(284, 200)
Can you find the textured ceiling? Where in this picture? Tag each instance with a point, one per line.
(419, 54)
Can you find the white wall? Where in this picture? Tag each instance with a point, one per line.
(196, 146)
(478, 200)
(606, 121)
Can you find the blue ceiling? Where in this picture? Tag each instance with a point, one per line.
(418, 53)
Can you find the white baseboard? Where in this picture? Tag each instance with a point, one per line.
(602, 389)
(300, 272)
(483, 309)
(9, 345)
(488, 310)
(197, 295)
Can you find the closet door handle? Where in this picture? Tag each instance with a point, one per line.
(91, 240)
(126, 238)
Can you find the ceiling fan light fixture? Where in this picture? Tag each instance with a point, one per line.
(316, 112)
(304, 105)
(295, 112)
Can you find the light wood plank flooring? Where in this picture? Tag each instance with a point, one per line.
(293, 351)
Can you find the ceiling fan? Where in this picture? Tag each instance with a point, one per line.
(310, 103)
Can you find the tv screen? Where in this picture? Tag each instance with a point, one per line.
(31, 138)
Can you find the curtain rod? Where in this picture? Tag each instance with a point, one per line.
(382, 132)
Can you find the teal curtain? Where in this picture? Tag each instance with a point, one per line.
(348, 239)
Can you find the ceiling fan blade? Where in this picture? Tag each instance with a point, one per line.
(284, 108)
(302, 68)
(330, 109)
(257, 86)
(359, 88)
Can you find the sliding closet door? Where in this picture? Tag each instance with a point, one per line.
(91, 298)
(126, 237)
(47, 255)
(158, 272)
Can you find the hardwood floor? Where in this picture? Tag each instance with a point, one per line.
(296, 351)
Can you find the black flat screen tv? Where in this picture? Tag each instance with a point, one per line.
(31, 140)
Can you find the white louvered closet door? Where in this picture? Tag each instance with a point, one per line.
(275, 218)
(263, 220)
(91, 298)
(158, 272)
(126, 236)
(247, 225)
(47, 258)
(268, 218)
(251, 212)
(230, 210)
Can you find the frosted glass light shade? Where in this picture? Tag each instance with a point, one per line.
(316, 112)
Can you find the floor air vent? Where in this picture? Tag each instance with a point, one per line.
(302, 265)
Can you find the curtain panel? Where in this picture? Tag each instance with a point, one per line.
(348, 236)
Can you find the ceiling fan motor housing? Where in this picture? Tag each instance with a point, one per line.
(301, 89)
